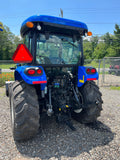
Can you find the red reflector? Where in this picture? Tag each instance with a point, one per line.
(31, 71)
(39, 71)
(22, 54)
(93, 70)
(91, 79)
(39, 82)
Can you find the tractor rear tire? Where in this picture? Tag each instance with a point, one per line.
(24, 109)
(93, 103)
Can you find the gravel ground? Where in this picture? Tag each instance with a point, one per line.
(100, 141)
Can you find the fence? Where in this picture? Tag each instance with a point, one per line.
(111, 71)
(108, 69)
(5, 73)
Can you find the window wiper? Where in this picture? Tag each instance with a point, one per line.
(65, 40)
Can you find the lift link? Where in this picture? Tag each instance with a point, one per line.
(49, 106)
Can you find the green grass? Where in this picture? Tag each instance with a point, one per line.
(104, 73)
(6, 77)
(6, 66)
(115, 88)
(95, 63)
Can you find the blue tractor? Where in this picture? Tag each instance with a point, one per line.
(50, 77)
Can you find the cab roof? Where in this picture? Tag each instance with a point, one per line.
(55, 21)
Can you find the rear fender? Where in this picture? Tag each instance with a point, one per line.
(20, 75)
(83, 76)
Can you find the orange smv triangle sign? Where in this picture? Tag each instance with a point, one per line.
(22, 54)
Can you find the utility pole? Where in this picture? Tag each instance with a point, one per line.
(61, 13)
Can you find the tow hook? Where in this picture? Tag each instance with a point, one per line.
(64, 116)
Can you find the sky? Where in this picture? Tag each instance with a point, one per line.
(99, 15)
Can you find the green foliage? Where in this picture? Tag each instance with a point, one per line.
(107, 38)
(8, 44)
(94, 42)
(117, 31)
(87, 48)
(100, 51)
(96, 48)
(111, 52)
(105, 46)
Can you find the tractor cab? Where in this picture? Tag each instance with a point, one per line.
(54, 41)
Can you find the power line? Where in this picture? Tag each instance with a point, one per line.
(102, 22)
(103, 8)
(78, 10)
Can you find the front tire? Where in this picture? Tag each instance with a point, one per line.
(24, 109)
(92, 101)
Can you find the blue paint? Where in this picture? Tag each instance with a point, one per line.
(20, 75)
(56, 20)
(83, 76)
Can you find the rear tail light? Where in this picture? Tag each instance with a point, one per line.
(90, 70)
(93, 70)
(31, 71)
(39, 71)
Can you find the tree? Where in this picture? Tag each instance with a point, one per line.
(105, 46)
(87, 49)
(117, 31)
(110, 52)
(8, 43)
(94, 42)
(116, 44)
(100, 51)
(108, 39)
